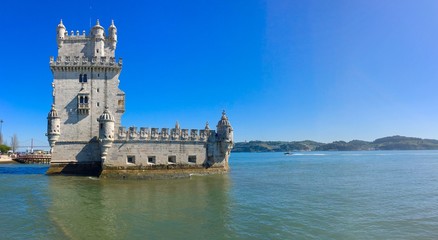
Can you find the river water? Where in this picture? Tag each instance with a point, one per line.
(309, 195)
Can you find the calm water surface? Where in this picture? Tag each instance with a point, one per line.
(311, 195)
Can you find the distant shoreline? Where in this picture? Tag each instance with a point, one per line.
(386, 143)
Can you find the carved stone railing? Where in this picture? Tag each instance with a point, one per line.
(83, 106)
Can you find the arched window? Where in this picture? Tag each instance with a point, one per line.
(80, 77)
(81, 99)
(86, 99)
(84, 78)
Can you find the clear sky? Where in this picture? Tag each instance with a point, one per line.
(283, 70)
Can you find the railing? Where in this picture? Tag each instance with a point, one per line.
(83, 106)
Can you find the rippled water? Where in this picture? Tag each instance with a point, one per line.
(324, 195)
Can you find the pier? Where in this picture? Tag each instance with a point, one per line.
(33, 158)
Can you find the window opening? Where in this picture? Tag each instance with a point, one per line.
(171, 159)
(130, 159)
(151, 159)
(192, 159)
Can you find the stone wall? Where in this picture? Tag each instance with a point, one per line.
(76, 151)
(140, 153)
(101, 89)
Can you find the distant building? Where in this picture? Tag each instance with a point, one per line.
(84, 125)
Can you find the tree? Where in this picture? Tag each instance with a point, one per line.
(4, 148)
(14, 142)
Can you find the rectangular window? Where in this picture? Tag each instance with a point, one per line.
(130, 159)
(171, 159)
(192, 159)
(151, 159)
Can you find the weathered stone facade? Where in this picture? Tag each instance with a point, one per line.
(84, 124)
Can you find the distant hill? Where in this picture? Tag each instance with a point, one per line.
(275, 146)
(386, 143)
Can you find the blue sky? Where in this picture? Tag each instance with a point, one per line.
(283, 70)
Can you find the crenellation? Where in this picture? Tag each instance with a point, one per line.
(194, 134)
(133, 132)
(144, 133)
(184, 134)
(122, 133)
(203, 135)
(164, 134)
(155, 134)
(175, 134)
(83, 60)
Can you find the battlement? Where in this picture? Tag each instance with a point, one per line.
(85, 61)
(155, 134)
(75, 36)
(97, 43)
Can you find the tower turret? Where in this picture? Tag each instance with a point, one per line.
(112, 32)
(97, 31)
(53, 127)
(60, 34)
(225, 133)
(98, 34)
(224, 129)
(106, 132)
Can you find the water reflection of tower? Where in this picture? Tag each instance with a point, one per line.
(196, 207)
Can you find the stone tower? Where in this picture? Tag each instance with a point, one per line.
(84, 124)
(85, 84)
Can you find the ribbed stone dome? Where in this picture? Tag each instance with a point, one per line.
(106, 116)
(112, 25)
(224, 120)
(53, 113)
(97, 25)
(60, 25)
